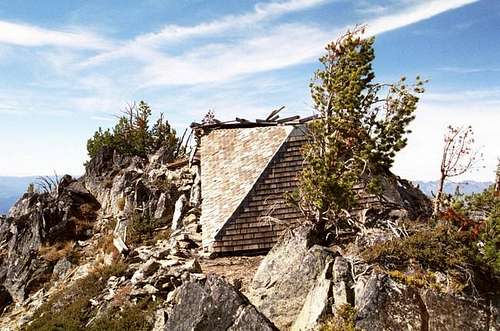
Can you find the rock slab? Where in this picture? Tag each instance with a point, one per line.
(215, 305)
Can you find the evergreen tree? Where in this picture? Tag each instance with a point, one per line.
(132, 134)
(163, 136)
(362, 125)
(142, 139)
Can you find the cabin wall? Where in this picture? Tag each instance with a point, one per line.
(264, 214)
(231, 162)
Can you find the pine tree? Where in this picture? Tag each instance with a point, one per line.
(132, 134)
(362, 125)
(497, 180)
(164, 136)
(141, 139)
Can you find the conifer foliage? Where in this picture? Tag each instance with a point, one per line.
(133, 135)
(361, 126)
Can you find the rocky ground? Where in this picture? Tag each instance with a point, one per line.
(120, 249)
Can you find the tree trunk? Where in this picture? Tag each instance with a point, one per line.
(497, 181)
(439, 193)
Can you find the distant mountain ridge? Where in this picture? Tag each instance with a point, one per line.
(465, 187)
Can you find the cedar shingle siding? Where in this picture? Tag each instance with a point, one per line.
(232, 161)
(245, 173)
(263, 215)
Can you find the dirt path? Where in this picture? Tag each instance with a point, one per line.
(234, 268)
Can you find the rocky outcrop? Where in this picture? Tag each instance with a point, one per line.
(385, 304)
(401, 196)
(333, 289)
(317, 304)
(214, 305)
(287, 275)
(300, 285)
(63, 215)
(132, 185)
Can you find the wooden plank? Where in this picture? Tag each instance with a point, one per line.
(307, 119)
(177, 164)
(288, 119)
(274, 113)
(264, 122)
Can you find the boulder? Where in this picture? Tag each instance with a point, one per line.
(215, 305)
(180, 205)
(249, 319)
(400, 193)
(333, 288)
(64, 214)
(161, 211)
(195, 196)
(145, 270)
(318, 302)
(342, 289)
(449, 312)
(61, 269)
(384, 304)
(287, 274)
(160, 319)
(388, 305)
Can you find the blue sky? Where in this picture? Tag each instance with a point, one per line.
(68, 67)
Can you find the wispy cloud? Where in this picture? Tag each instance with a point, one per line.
(222, 62)
(489, 96)
(281, 46)
(103, 118)
(467, 70)
(261, 12)
(413, 14)
(176, 33)
(478, 108)
(144, 61)
(365, 7)
(33, 36)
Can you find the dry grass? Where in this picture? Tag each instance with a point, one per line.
(70, 308)
(55, 252)
(120, 203)
(232, 268)
(344, 320)
(106, 243)
(122, 296)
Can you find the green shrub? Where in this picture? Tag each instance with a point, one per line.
(437, 248)
(490, 240)
(70, 309)
(344, 320)
(132, 317)
(478, 204)
(141, 229)
(469, 258)
(484, 205)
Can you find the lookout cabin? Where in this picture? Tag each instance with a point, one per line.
(246, 170)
